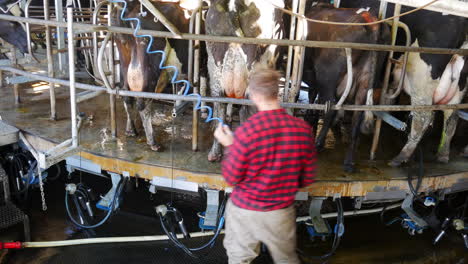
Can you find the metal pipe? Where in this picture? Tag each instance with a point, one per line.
(84, 96)
(349, 80)
(463, 115)
(391, 120)
(14, 61)
(71, 66)
(95, 36)
(299, 52)
(292, 33)
(160, 16)
(256, 41)
(28, 29)
(111, 68)
(383, 9)
(99, 63)
(351, 213)
(378, 123)
(190, 48)
(405, 62)
(196, 77)
(60, 33)
(50, 61)
(174, 97)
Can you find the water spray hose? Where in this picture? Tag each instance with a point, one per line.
(163, 60)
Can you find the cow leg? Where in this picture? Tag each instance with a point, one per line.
(229, 110)
(216, 151)
(145, 109)
(419, 124)
(450, 125)
(129, 104)
(349, 165)
(327, 123)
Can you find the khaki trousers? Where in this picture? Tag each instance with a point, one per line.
(245, 229)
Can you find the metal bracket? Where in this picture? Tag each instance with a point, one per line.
(314, 210)
(212, 204)
(407, 206)
(358, 202)
(105, 202)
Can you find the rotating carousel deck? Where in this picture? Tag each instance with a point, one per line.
(375, 179)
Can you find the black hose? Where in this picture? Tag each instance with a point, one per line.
(415, 190)
(336, 238)
(187, 250)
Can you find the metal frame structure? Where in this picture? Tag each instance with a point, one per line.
(71, 146)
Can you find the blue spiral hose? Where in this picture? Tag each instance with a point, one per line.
(163, 60)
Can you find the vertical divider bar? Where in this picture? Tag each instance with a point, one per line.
(60, 33)
(298, 61)
(292, 33)
(196, 77)
(111, 68)
(50, 61)
(71, 67)
(378, 122)
(14, 61)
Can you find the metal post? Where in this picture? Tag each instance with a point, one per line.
(28, 27)
(14, 61)
(60, 32)
(378, 123)
(71, 67)
(383, 9)
(160, 16)
(196, 78)
(292, 32)
(50, 61)
(298, 62)
(111, 68)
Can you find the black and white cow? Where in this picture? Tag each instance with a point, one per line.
(12, 32)
(229, 64)
(430, 78)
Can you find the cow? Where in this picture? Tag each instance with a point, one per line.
(430, 78)
(140, 71)
(12, 32)
(229, 64)
(325, 70)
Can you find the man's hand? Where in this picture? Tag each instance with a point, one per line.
(224, 135)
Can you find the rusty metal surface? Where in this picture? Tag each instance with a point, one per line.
(134, 156)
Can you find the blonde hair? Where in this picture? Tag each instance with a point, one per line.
(264, 82)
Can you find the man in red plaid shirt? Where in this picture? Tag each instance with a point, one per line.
(267, 160)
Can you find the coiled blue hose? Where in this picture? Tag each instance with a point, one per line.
(163, 60)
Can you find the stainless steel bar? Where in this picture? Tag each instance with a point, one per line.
(50, 61)
(383, 98)
(292, 34)
(196, 78)
(349, 81)
(225, 39)
(28, 27)
(299, 52)
(173, 97)
(14, 61)
(111, 68)
(71, 66)
(95, 33)
(60, 33)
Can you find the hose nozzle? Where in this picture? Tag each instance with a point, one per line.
(161, 209)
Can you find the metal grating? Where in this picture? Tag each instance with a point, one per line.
(10, 215)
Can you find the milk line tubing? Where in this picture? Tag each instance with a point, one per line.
(227, 39)
(174, 97)
(175, 73)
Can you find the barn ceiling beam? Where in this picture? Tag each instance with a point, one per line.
(452, 7)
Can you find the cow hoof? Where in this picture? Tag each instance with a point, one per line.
(130, 133)
(443, 159)
(214, 157)
(156, 147)
(349, 168)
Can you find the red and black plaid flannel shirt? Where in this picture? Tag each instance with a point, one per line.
(273, 155)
